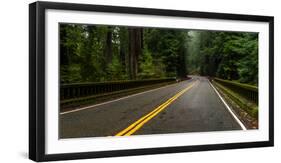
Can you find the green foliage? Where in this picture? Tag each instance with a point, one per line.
(248, 66)
(91, 53)
(150, 68)
(168, 47)
(74, 70)
(114, 70)
(227, 55)
(101, 53)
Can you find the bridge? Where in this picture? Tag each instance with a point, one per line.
(195, 104)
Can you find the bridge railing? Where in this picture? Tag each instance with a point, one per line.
(76, 90)
(247, 91)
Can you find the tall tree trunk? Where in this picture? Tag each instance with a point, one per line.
(123, 50)
(108, 46)
(181, 64)
(135, 49)
(138, 48)
(87, 68)
(131, 52)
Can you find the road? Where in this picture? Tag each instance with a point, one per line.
(188, 106)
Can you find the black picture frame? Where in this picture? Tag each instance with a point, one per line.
(37, 79)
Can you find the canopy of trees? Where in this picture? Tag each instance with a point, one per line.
(227, 55)
(107, 53)
(99, 53)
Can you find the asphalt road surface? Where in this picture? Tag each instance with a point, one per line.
(188, 106)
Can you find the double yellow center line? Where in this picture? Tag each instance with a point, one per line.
(139, 123)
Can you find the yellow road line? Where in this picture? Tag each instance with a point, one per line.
(139, 123)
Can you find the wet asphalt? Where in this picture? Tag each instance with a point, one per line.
(197, 110)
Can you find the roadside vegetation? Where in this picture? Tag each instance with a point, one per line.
(226, 55)
(110, 53)
(99, 54)
(91, 53)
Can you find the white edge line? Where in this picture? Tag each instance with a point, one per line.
(91, 106)
(228, 108)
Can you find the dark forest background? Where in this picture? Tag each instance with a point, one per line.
(91, 53)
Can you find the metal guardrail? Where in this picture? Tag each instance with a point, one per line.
(247, 91)
(76, 90)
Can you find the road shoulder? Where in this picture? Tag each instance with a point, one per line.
(247, 119)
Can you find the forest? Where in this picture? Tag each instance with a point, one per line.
(99, 53)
